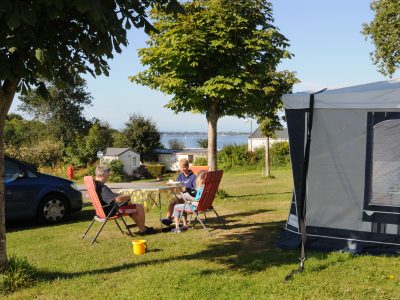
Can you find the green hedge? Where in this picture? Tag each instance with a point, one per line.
(237, 155)
(156, 170)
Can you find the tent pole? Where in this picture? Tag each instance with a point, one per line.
(302, 206)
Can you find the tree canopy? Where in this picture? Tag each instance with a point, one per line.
(384, 32)
(56, 40)
(141, 134)
(61, 109)
(220, 58)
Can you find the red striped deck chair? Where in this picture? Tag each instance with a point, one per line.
(100, 216)
(211, 183)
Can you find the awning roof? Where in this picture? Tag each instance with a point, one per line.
(382, 94)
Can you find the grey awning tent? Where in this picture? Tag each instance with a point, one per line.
(353, 184)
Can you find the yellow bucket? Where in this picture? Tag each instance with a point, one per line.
(139, 247)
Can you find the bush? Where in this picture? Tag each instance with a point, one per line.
(45, 154)
(200, 161)
(18, 274)
(117, 170)
(279, 154)
(156, 170)
(233, 155)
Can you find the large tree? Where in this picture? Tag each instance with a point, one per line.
(384, 31)
(60, 108)
(141, 134)
(220, 59)
(56, 40)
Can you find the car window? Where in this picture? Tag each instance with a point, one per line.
(11, 171)
(30, 174)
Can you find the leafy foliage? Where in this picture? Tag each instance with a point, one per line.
(384, 31)
(176, 144)
(279, 153)
(200, 161)
(61, 109)
(46, 153)
(117, 173)
(237, 155)
(202, 143)
(218, 59)
(19, 132)
(141, 135)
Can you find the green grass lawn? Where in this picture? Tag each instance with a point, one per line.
(238, 263)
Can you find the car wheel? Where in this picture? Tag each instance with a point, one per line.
(53, 209)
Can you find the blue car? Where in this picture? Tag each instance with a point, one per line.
(33, 195)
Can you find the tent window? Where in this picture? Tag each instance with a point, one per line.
(382, 172)
(386, 163)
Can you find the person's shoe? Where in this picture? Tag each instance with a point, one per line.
(166, 221)
(149, 230)
(184, 228)
(176, 230)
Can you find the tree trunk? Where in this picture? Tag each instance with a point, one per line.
(7, 93)
(267, 161)
(212, 120)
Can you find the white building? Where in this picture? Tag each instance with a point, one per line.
(129, 158)
(257, 139)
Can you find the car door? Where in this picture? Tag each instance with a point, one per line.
(19, 191)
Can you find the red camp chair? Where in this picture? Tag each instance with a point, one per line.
(100, 215)
(211, 183)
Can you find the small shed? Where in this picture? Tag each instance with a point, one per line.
(257, 139)
(129, 158)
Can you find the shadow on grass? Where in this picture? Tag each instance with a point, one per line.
(250, 250)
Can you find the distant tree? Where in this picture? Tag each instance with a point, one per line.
(218, 59)
(176, 144)
(268, 127)
(56, 40)
(19, 132)
(60, 108)
(118, 138)
(384, 31)
(141, 134)
(99, 137)
(202, 143)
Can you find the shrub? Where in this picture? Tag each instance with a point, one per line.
(232, 156)
(18, 274)
(279, 154)
(200, 161)
(117, 170)
(156, 170)
(45, 154)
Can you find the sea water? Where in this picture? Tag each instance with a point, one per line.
(190, 140)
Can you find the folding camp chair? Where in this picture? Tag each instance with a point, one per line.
(211, 183)
(100, 216)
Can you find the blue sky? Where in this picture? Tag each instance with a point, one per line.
(325, 37)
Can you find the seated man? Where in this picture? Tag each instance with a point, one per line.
(188, 179)
(106, 196)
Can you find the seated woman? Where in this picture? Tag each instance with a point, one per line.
(190, 204)
(188, 179)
